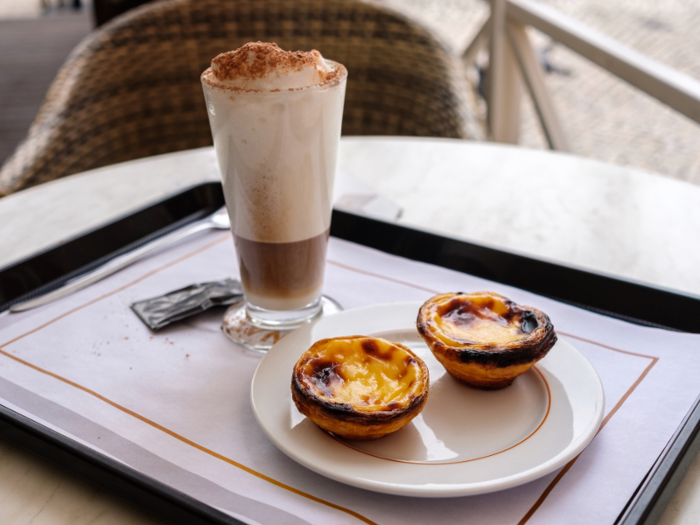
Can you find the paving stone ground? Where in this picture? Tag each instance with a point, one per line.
(604, 117)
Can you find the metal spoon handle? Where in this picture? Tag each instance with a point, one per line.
(114, 266)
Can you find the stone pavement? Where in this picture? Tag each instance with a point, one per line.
(604, 118)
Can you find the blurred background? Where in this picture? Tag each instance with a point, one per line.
(603, 117)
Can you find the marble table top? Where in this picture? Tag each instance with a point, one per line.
(580, 212)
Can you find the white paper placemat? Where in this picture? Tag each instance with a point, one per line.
(175, 404)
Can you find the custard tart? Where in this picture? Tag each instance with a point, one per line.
(359, 387)
(484, 339)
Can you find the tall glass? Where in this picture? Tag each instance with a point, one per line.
(277, 153)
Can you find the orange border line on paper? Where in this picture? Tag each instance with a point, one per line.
(605, 421)
(185, 440)
(117, 290)
(525, 518)
(149, 421)
(379, 276)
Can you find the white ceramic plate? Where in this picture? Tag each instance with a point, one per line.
(465, 441)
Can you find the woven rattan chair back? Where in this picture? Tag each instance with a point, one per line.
(131, 89)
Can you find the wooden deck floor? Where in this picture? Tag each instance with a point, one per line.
(31, 53)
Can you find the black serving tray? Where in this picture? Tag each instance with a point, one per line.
(615, 297)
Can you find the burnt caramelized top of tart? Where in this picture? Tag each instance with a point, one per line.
(369, 374)
(485, 327)
(480, 317)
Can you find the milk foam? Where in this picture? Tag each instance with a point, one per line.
(266, 67)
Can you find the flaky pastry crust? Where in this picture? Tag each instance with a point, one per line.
(359, 387)
(522, 336)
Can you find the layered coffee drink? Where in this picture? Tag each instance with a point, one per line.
(275, 117)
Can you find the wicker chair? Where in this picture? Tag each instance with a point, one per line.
(131, 89)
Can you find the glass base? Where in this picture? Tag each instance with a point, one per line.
(259, 332)
(281, 319)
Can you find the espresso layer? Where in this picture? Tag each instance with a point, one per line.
(282, 276)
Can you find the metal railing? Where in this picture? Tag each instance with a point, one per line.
(513, 65)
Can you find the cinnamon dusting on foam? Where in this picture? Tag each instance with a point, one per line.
(263, 66)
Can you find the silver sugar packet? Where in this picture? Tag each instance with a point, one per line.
(180, 304)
